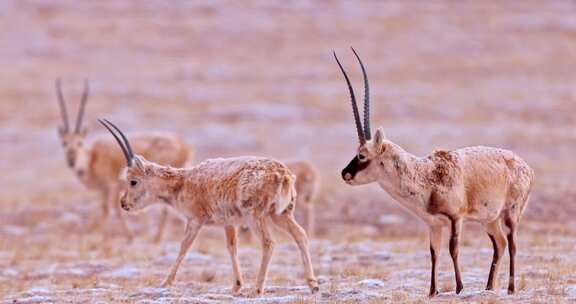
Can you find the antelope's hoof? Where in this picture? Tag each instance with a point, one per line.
(433, 293)
(313, 284)
(459, 289)
(511, 290)
(257, 292)
(167, 283)
(237, 287)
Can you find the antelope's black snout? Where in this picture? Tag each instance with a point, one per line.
(353, 168)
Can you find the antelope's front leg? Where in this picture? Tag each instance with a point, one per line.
(161, 225)
(104, 204)
(232, 245)
(435, 249)
(114, 200)
(267, 250)
(192, 229)
(97, 221)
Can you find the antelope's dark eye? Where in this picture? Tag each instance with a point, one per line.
(133, 183)
(361, 157)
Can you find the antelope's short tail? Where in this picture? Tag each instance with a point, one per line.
(286, 192)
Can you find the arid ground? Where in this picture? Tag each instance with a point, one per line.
(258, 78)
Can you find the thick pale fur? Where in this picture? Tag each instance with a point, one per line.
(483, 184)
(98, 164)
(307, 187)
(227, 192)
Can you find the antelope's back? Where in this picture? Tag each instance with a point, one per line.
(247, 181)
(493, 172)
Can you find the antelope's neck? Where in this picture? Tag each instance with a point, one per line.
(84, 168)
(170, 184)
(409, 187)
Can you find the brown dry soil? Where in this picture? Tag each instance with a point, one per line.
(258, 78)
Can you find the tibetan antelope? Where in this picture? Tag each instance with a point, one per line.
(483, 184)
(225, 191)
(307, 185)
(98, 165)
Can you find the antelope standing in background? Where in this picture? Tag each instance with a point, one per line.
(484, 184)
(225, 191)
(307, 185)
(98, 165)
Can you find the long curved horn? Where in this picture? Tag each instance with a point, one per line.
(85, 95)
(62, 103)
(354, 105)
(125, 148)
(126, 142)
(367, 133)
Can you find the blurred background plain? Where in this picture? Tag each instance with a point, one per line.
(258, 78)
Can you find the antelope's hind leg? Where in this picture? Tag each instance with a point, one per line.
(511, 252)
(232, 245)
(308, 208)
(498, 239)
(287, 222)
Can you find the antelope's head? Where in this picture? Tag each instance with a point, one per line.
(73, 140)
(142, 184)
(369, 163)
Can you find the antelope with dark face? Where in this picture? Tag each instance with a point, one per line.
(98, 164)
(228, 192)
(482, 184)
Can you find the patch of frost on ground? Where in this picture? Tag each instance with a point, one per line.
(123, 272)
(371, 283)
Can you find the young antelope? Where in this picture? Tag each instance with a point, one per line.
(228, 192)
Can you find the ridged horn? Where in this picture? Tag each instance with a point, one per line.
(128, 154)
(62, 103)
(367, 133)
(357, 122)
(80, 116)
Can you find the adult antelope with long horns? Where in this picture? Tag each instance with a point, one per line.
(483, 184)
(224, 191)
(98, 164)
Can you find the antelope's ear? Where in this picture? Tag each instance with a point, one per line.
(140, 163)
(379, 136)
